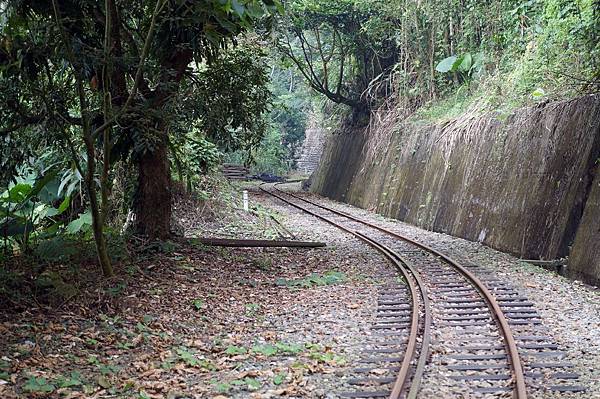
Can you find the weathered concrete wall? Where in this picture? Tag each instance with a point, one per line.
(516, 183)
(342, 149)
(584, 262)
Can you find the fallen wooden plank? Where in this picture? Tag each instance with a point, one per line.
(556, 262)
(227, 242)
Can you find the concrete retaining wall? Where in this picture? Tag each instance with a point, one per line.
(584, 262)
(518, 183)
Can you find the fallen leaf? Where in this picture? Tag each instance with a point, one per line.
(103, 382)
(378, 371)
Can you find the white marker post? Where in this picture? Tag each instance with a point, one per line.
(245, 198)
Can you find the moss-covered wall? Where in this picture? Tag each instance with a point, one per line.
(343, 153)
(518, 183)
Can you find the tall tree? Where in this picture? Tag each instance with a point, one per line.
(332, 44)
(103, 76)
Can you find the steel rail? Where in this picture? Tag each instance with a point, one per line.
(415, 287)
(496, 310)
(401, 381)
(399, 384)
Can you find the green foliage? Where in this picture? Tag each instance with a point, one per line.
(191, 359)
(236, 350)
(465, 64)
(544, 49)
(340, 47)
(221, 387)
(447, 64)
(81, 224)
(232, 97)
(4, 369)
(227, 107)
(292, 101)
(74, 380)
(271, 156)
(537, 93)
(194, 156)
(279, 378)
(289, 349)
(327, 357)
(265, 350)
(498, 54)
(38, 385)
(251, 309)
(198, 304)
(32, 208)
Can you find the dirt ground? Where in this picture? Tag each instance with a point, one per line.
(197, 322)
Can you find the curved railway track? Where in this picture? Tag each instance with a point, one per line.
(466, 302)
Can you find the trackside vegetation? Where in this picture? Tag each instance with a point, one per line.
(107, 105)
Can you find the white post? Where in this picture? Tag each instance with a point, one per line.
(245, 198)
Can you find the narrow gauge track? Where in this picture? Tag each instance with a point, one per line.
(413, 350)
(469, 298)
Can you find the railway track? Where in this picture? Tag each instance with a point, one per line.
(439, 295)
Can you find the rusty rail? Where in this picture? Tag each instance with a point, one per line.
(520, 390)
(416, 289)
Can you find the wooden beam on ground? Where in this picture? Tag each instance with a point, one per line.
(550, 263)
(226, 242)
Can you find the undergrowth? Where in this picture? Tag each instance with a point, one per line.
(553, 58)
(217, 211)
(56, 272)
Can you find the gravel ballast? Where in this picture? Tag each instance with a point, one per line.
(569, 310)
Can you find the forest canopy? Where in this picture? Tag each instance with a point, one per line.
(94, 83)
(361, 53)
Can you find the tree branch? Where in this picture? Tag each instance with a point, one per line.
(160, 4)
(307, 69)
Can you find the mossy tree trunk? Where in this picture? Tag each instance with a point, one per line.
(153, 197)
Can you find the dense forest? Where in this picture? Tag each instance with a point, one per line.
(106, 106)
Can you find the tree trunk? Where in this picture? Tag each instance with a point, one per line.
(101, 248)
(152, 201)
(153, 198)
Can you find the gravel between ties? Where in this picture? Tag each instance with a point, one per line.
(570, 310)
(343, 314)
